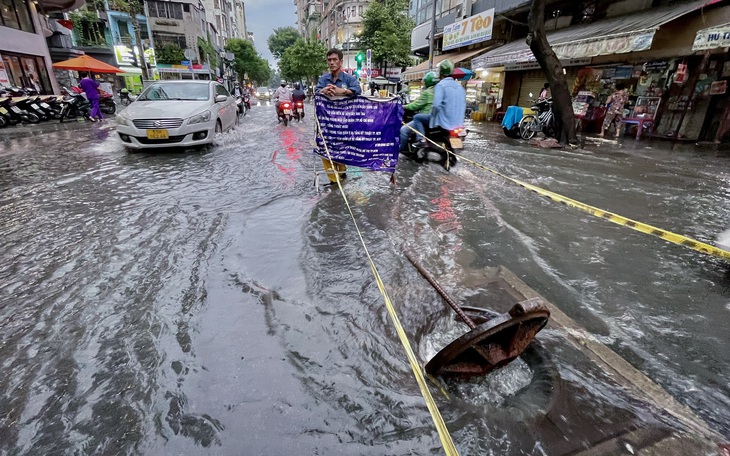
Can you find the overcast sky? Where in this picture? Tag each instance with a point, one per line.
(263, 16)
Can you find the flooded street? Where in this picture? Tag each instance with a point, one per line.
(214, 302)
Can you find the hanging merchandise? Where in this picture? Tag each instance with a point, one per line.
(681, 75)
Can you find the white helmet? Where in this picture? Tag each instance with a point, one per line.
(283, 82)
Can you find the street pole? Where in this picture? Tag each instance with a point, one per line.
(431, 42)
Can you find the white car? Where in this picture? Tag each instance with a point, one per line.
(177, 114)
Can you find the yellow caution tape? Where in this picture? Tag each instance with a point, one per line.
(443, 431)
(615, 218)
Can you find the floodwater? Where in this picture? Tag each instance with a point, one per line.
(215, 302)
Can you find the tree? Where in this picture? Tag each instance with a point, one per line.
(387, 32)
(304, 60)
(553, 69)
(281, 40)
(207, 53)
(247, 61)
(169, 53)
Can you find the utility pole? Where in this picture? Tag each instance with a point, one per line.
(431, 43)
(133, 8)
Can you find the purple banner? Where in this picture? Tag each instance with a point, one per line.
(360, 131)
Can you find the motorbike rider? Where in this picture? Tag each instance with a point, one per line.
(282, 94)
(449, 100)
(422, 106)
(236, 89)
(298, 94)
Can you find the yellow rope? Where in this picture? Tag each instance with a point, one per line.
(443, 431)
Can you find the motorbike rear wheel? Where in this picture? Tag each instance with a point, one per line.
(109, 108)
(527, 127)
(3, 122)
(31, 118)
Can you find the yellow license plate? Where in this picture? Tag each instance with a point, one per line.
(456, 143)
(157, 134)
(3, 111)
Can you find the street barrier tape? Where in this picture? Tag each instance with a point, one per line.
(443, 431)
(600, 213)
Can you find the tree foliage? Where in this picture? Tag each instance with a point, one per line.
(303, 60)
(207, 53)
(247, 61)
(169, 53)
(387, 31)
(281, 40)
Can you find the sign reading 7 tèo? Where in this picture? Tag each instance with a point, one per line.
(473, 29)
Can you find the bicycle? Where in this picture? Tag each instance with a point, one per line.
(544, 121)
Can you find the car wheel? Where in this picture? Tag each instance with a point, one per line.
(218, 127)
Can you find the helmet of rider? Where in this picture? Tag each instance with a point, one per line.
(283, 83)
(431, 79)
(297, 86)
(446, 68)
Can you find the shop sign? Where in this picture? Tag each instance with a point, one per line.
(623, 72)
(605, 46)
(123, 55)
(533, 65)
(473, 29)
(4, 79)
(718, 88)
(712, 38)
(659, 66)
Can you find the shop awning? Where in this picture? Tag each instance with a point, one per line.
(711, 38)
(617, 35)
(418, 71)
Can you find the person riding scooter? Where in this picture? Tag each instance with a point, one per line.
(422, 108)
(297, 97)
(282, 94)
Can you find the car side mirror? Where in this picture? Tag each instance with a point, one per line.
(220, 98)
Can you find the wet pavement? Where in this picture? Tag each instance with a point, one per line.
(215, 302)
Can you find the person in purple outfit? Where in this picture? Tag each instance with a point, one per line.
(91, 89)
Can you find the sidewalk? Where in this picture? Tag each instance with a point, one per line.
(25, 130)
(493, 131)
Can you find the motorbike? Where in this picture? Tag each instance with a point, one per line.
(243, 104)
(544, 121)
(124, 98)
(13, 114)
(448, 140)
(75, 105)
(284, 112)
(298, 111)
(106, 100)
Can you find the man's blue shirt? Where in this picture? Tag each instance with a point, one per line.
(449, 105)
(344, 81)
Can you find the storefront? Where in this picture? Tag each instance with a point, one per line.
(23, 49)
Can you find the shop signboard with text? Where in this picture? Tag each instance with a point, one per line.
(123, 55)
(473, 29)
(712, 38)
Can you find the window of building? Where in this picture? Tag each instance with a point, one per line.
(164, 38)
(15, 14)
(166, 10)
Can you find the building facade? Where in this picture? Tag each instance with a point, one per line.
(25, 60)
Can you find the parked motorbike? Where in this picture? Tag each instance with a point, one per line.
(544, 121)
(75, 105)
(124, 97)
(449, 141)
(298, 110)
(284, 112)
(13, 114)
(106, 100)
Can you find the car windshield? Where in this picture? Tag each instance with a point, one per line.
(177, 91)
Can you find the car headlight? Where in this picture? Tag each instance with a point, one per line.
(123, 120)
(202, 117)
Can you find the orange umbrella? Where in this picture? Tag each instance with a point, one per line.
(87, 63)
